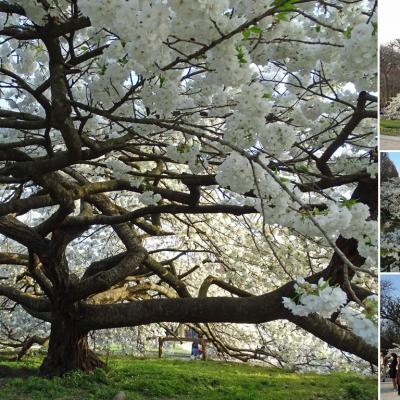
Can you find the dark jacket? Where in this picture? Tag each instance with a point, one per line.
(392, 368)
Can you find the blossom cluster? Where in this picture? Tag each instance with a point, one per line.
(315, 298)
(392, 110)
(363, 324)
(325, 300)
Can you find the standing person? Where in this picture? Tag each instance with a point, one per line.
(393, 371)
(195, 350)
(385, 363)
(398, 376)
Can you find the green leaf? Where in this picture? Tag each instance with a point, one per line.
(282, 16)
(384, 252)
(347, 32)
(283, 179)
(285, 5)
(371, 309)
(348, 203)
(182, 148)
(317, 211)
(246, 33)
(162, 80)
(318, 28)
(302, 168)
(240, 55)
(375, 26)
(103, 69)
(283, 8)
(256, 29)
(123, 61)
(282, 3)
(252, 29)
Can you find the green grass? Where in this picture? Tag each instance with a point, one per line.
(390, 127)
(171, 379)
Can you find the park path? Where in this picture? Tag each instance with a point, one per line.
(387, 392)
(389, 142)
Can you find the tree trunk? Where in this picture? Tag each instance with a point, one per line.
(68, 350)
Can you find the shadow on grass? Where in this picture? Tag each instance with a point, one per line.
(17, 372)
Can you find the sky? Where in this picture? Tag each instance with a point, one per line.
(395, 280)
(395, 157)
(389, 26)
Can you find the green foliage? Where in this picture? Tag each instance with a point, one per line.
(375, 26)
(347, 32)
(390, 123)
(283, 179)
(285, 5)
(172, 379)
(302, 168)
(371, 309)
(240, 55)
(384, 252)
(253, 29)
(348, 203)
(390, 127)
(182, 148)
(162, 80)
(357, 392)
(122, 61)
(102, 69)
(282, 16)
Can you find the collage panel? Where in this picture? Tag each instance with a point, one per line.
(189, 200)
(389, 77)
(389, 336)
(389, 220)
(389, 144)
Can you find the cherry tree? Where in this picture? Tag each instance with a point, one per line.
(389, 312)
(389, 214)
(392, 110)
(390, 233)
(198, 162)
(389, 71)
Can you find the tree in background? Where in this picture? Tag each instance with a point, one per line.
(389, 60)
(388, 169)
(388, 172)
(195, 162)
(390, 322)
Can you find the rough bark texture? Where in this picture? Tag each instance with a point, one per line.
(68, 350)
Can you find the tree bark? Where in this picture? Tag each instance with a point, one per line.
(68, 350)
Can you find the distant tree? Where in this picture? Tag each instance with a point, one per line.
(389, 59)
(390, 315)
(388, 169)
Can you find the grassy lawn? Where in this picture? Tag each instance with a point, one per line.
(390, 127)
(171, 379)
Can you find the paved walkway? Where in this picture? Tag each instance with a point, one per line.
(387, 392)
(389, 142)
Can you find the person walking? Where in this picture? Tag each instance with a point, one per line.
(398, 376)
(384, 365)
(393, 371)
(195, 350)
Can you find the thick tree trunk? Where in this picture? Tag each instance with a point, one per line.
(68, 350)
